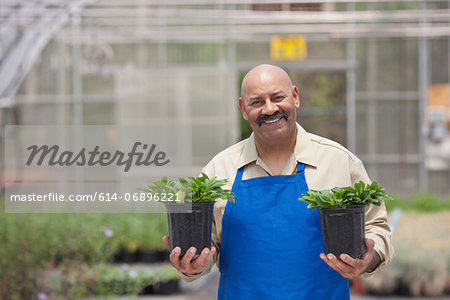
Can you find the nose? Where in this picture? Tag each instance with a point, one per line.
(269, 108)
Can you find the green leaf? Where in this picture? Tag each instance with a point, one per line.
(198, 189)
(344, 196)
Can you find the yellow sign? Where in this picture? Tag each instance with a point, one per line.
(439, 99)
(288, 47)
(439, 95)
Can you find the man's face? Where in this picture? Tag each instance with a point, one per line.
(269, 103)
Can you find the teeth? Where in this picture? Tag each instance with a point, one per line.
(272, 121)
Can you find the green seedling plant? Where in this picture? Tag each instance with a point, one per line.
(360, 194)
(204, 189)
(166, 187)
(192, 189)
(163, 186)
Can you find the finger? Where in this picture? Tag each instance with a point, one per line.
(201, 261)
(370, 244)
(329, 259)
(187, 258)
(370, 251)
(338, 265)
(328, 262)
(204, 258)
(175, 257)
(336, 262)
(212, 252)
(166, 241)
(358, 266)
(347, 259)
(325, 259)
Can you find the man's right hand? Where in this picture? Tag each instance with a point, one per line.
(187, 264)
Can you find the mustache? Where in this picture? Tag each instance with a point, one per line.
(276, 115)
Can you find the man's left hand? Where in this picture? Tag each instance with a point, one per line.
(350, 267)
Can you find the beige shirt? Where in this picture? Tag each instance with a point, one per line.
(327, 165)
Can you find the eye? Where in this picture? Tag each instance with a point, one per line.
(256, 102)
(278, 98)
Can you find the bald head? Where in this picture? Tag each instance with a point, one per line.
(263, 74)
(269, 102)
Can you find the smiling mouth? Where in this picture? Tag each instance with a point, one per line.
(271, 121)
(266, 119)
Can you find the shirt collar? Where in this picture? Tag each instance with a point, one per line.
(249, 153)
(305, 148)
(303, 151)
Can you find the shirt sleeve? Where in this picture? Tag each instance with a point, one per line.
(377, 226)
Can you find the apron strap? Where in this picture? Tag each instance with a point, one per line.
(300, 167)
(237, 179)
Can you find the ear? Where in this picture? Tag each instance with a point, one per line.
(242, 107)
(296, 96)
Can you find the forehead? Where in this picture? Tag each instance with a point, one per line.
(261, 82)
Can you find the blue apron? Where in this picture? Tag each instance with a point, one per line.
(271, 243)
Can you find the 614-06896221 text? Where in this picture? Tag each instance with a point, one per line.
(101, 197)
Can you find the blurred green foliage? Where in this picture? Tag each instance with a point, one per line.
(421, 202)
(32, 243)
(104, 280)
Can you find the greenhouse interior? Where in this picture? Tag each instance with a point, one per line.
(373, 76)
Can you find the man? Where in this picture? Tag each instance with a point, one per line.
(267, 244)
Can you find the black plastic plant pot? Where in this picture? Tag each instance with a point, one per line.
(190, 229)
(343, 230)
(166, 288)
(163, 255)
(148, 256)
